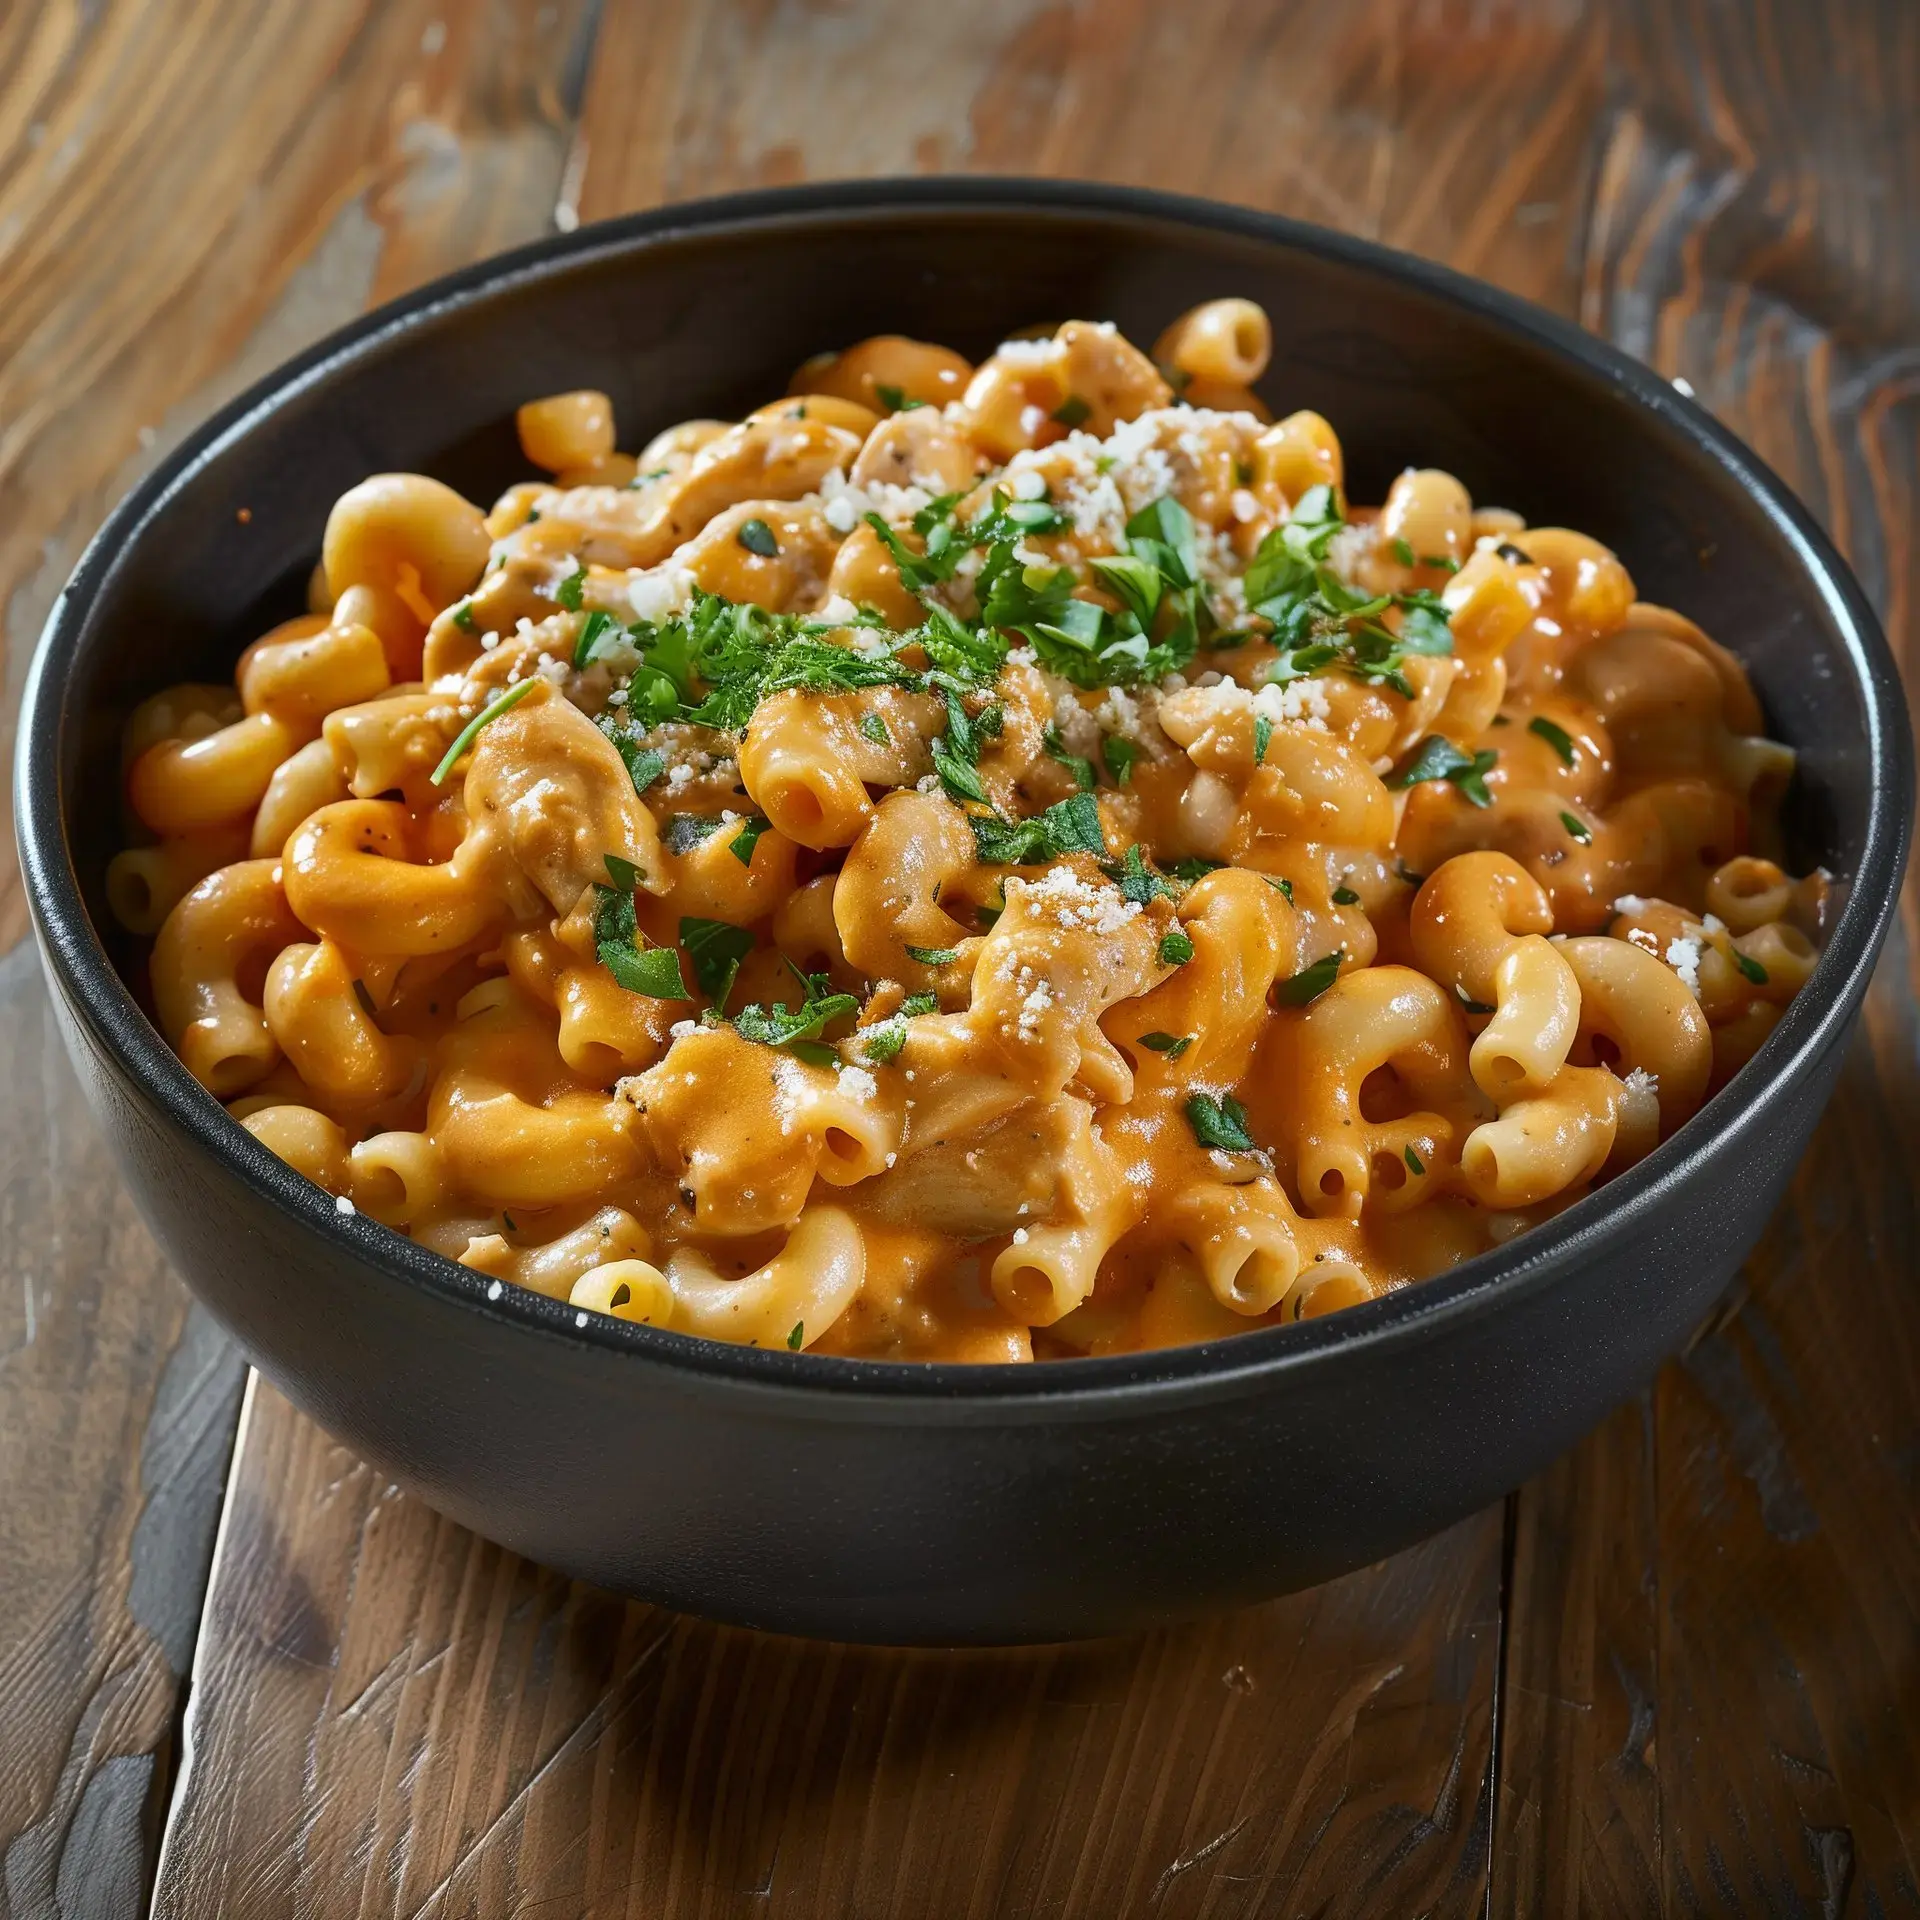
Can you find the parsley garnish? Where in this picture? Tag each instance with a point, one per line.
(757, 537)
(595, 629)
(1262, 738)
(622, 873)
(798, 1029)
(881, 1043)
(873, 728)
(742, 844)
(1283, 887)
(1310, 982)
(1403, 552)
(1512, 555)
(1412, 1159)
(956, 754)
(1082, 770)
(896, 399)
(1072, 412)
(570, 590)
(1220, 1123)
(1172, 1045)
(934, 956)
(682, 832)
(654, 971)
(1121, 755)
(1175, 948)
(1195, 869)
(797, 1336)
(1578, 828)
(1319, 621)
(1345, 897)
(716, 948)
(463, 616)
(1068, 826)
(1749, 967)
(1557, 738)
(1440, 759)
(644, 765)
(499, 704)
(1138, 881)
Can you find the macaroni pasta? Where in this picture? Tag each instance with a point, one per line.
(968, 862)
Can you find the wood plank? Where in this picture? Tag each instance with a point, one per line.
(391, 1715)
(264, 171)
(389, 1704)
(188, 194)
(1716, 1601)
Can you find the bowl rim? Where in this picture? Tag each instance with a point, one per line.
(1817, 1020)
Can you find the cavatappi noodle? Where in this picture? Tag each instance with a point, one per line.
(968, 862)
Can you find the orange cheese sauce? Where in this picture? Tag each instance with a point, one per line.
(970, 863)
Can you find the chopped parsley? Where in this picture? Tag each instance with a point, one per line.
(1173, 1045)
(462, 616)
(1137, 880)
(1196, 869)
(594, 630)
(757, 537)
(881, 1042)
(1262, 738)
(1220, 1124)
(1749, 967)
(934, 956)
(797, 1337)
(654, 971)
(1403, 552)
(798, 1029)
(1121, 755)
(742, 844)
(873, 728)
(1577, 827)
(1072, 412)
(1345, 897)
(1310, 982)
(1082, 770)
(1281, 886)
(1557, 738)
(956, 754)
(896, 399)
(716, 948)
(1068, 826)
(1414, 1164)
(499, 704)
(1439, 759)
(680, 833)
(1319, 621)
(572, 589)
(1175, 948)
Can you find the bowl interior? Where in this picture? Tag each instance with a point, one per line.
(676, 318)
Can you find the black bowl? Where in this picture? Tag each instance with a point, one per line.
(943, 1503)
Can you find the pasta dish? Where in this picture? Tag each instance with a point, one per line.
(970, 862)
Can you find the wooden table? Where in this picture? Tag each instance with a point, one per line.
(240, 1674)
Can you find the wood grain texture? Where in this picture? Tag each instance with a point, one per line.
(188, 194)
(192, 191)
(1715, 1615)
(391, 1716)
(117, 1400)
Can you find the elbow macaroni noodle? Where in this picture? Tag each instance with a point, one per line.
(969, 862)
